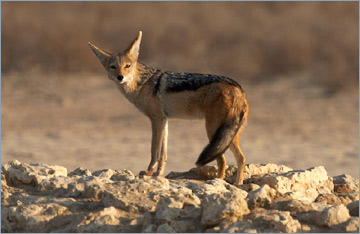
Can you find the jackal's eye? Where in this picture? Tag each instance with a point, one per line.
(112, 67)
(127, 65)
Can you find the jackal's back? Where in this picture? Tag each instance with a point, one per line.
(188, 95)
(181, 81)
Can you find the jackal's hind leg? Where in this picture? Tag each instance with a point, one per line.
(221, 162)
(239, 157)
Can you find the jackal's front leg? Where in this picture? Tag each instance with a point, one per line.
(158, 146)
(163, 151)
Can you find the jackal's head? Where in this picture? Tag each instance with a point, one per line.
(121, 68)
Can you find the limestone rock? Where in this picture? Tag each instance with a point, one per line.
(165, 228)
(218, 206)
(43, 198)
(30, 218)
(328, 198)
(216, 186)
(353, 208)
(261, 197)
(298, 206)
(293, 206)
(347, 198)
(138, 195)
(281, 221)
(108, 220)
(178, 213)
(345, 184)
(151, 228)
(104, 174)
(263, 169)
(30, 174)
(122, 175)
(299, 184)
(202, 173)
(240, 226)
(352, 225)
(332, 215)
(210, 172)
(249, 187)
(80, 172)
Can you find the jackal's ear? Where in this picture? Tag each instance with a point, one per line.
(133, 50)
(102, 55)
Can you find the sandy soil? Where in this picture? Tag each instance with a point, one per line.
(82, 120)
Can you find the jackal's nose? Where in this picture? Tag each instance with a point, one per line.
(120, 77)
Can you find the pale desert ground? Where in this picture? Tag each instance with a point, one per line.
(81, 120)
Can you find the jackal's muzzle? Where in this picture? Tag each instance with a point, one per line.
(120, 77)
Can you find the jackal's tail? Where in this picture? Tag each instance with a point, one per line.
(223, 137)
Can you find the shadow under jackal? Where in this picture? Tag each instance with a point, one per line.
(162, 95)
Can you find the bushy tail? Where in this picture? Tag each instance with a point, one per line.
(221, 139)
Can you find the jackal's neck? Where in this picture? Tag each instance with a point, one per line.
(140, 76)
(145, 72)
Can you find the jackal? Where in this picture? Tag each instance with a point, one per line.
(163, 95)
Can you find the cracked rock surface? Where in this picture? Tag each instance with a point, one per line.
(274, 198)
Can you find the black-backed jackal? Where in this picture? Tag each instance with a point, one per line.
(162, 95)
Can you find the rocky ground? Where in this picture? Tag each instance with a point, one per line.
(274, 198)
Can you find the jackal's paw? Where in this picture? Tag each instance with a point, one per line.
(147, 173)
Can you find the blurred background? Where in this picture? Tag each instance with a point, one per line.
(298, 62)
